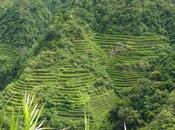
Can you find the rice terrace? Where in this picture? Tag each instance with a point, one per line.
(87, 64)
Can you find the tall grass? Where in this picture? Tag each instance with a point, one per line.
(3, 114)
(14, 124)
(31, 112)
(86, 121)
(125, 126)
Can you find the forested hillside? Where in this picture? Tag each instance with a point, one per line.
(110, 61)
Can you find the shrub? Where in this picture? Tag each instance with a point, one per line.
(31, 113)
(155, 75)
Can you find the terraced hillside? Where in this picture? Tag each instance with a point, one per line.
(71, 82)
(68, 85)
(30, 79)
(129, 56)
(8, 59)
(8, 55)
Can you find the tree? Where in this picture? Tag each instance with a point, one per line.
(164, 121)
(128, 2)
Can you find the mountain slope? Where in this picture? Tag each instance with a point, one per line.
(71, 76)
(129, 56)
(73, 69)
(9, 57)
(22, 25)
(70, 80)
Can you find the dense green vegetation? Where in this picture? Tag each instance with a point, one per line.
(113, 59)
(135, 17)
(8, 62)
(150, 102)
(142, 75)
(22, 26)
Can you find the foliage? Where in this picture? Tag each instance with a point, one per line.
(31, 111)
(22, 25)
(47, 34)
(151, 101)
(86, 121)
(165, 120)
(139, 17)
(32, 114)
